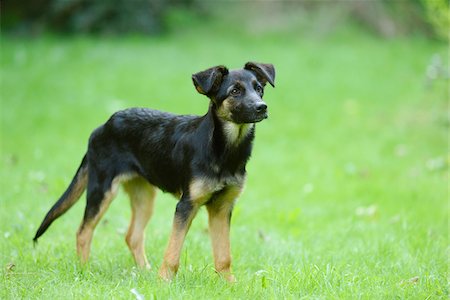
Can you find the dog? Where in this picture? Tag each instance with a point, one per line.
(199, 159)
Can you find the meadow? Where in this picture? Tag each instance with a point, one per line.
(347, 190)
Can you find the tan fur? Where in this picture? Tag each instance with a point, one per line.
(199, 89)
(236, 132)
(225, 108)
(200, 190)
(142, 195)
(219, 227)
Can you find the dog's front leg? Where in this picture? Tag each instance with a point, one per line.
(219, 213)
(184, 214)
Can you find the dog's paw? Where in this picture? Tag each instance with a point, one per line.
(166, 274)
(228, 276)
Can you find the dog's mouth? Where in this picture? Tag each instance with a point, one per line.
(260, 117)
(257, 117)
(249, 117)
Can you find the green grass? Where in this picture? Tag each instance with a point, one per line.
(347, 193)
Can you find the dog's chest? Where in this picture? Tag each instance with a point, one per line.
(234, 133)
(202, 188)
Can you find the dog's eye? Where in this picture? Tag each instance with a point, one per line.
(259, 89)
(235, 91)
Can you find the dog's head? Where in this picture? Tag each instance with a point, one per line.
(237, 94)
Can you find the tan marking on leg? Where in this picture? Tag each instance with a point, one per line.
(219, 227)
(169, 266)
(86, 230)
(142, 195)
(84, 239)
(200, 191)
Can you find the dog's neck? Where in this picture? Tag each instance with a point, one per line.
(233, 134)
(231, 143)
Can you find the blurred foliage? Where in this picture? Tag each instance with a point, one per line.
(382, 17)
(438, 14)
(85, 16)
(391, 18)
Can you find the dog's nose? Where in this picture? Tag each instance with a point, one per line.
(261, 107)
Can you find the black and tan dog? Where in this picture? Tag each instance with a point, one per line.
(199, 159)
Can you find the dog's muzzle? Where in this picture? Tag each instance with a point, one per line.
(261, 112)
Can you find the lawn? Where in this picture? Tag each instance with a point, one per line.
(347, 190)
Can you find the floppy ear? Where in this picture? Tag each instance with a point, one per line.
(264, 72)
(208, 81)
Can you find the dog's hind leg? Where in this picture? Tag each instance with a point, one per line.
(98, 201)
(142, 195)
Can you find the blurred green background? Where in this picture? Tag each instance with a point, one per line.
(385, 18)
(347, 190)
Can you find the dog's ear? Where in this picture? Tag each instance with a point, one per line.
(207, 82)
(264, 72)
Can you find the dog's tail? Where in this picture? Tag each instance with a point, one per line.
(70, 196)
